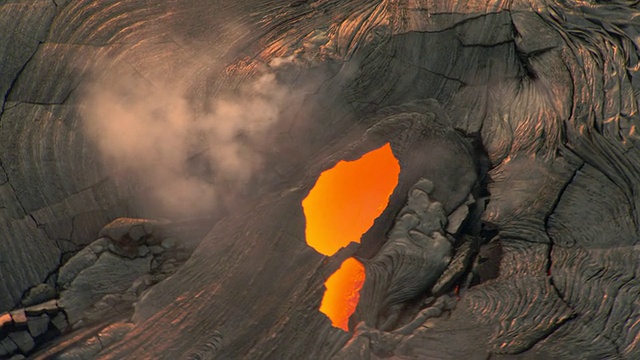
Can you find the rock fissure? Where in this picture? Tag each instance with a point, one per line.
(467, 18)
(408, 63)
(15, 194)
(15, 79)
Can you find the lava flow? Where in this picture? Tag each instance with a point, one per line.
(347, 198)
(343, 293)
(339, 209)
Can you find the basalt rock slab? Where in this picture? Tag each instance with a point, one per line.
(110, 274)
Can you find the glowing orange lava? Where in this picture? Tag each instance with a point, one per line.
(343, 293)
(347, 198)
(342, 206)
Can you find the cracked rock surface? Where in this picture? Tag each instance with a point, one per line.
(99, 283)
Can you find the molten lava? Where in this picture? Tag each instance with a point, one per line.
(343, 293)
(347, 198)
(342, 205)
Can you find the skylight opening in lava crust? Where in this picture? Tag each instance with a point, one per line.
(340, 208)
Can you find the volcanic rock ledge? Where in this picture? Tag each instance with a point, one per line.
(99, 285)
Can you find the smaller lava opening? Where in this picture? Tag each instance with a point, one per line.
(343, 293)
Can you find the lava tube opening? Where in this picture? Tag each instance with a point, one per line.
(346, 199)
(343, 293)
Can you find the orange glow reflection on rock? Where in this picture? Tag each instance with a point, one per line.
(343, 293)
(347, 199)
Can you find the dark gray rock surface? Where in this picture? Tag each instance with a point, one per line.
(115, 274)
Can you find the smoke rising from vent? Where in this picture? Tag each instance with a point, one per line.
(185, 163)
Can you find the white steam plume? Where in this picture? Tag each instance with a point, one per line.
(151, 135)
